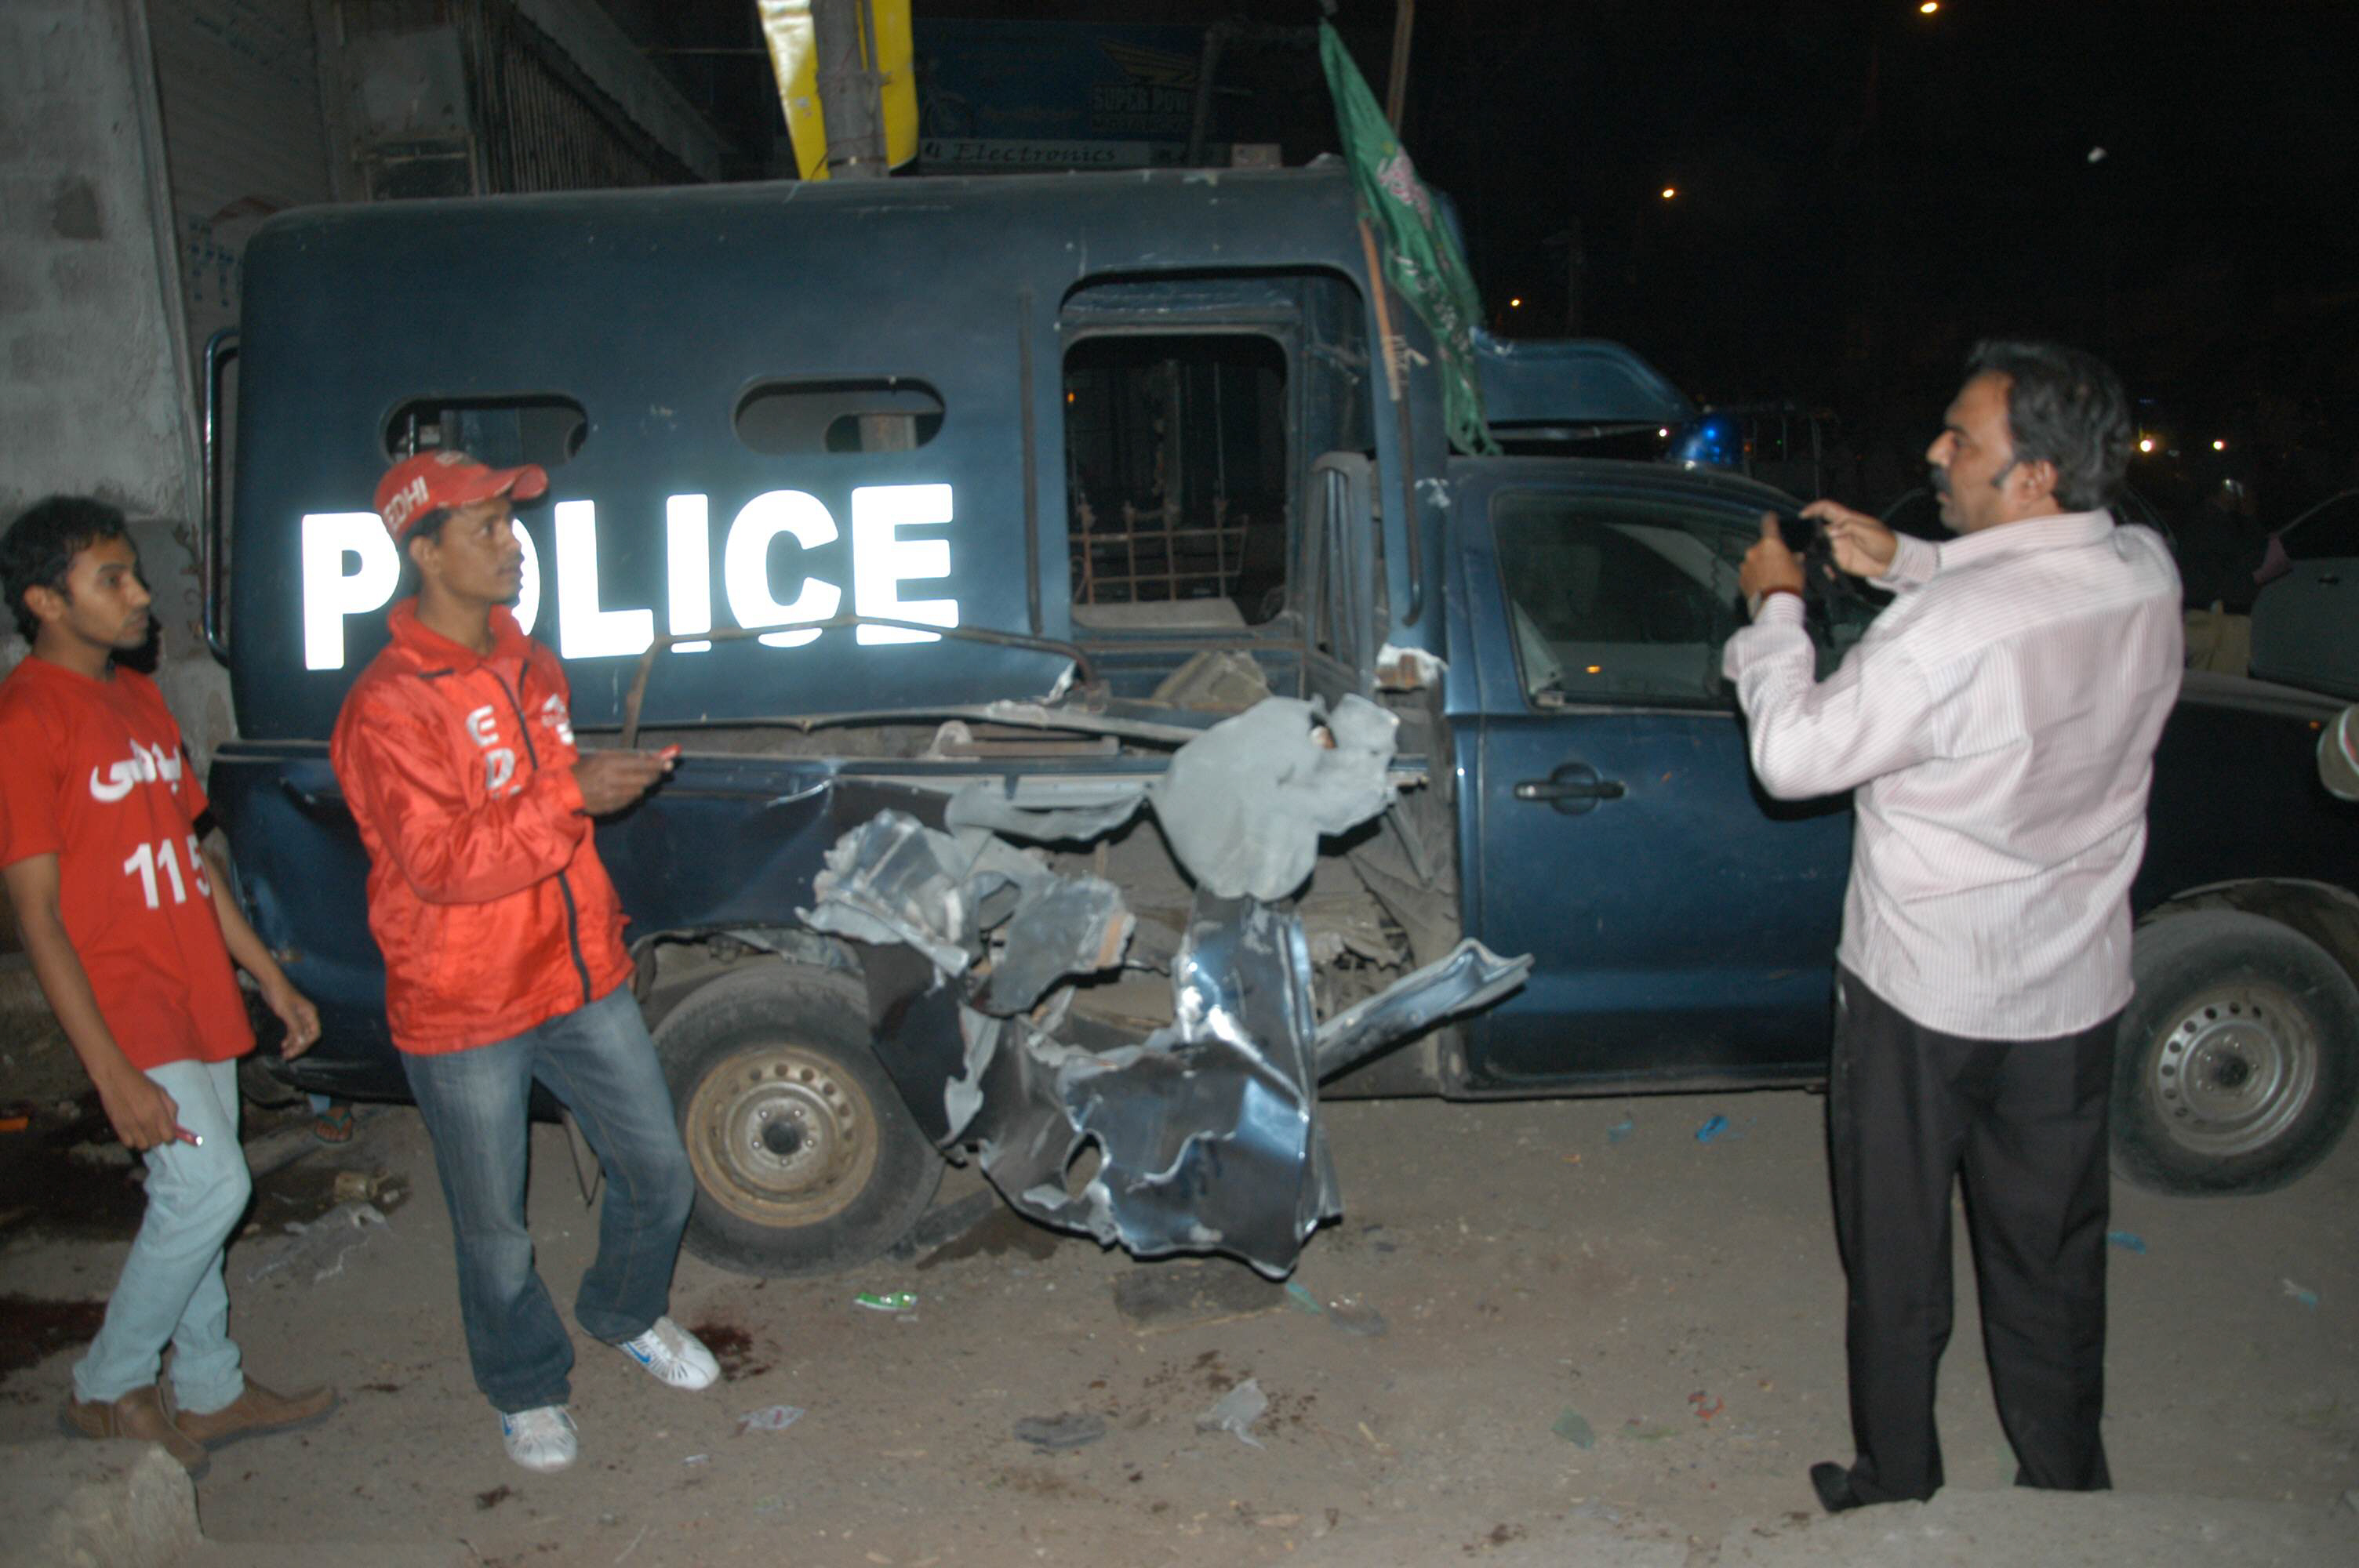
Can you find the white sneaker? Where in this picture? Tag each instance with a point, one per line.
(541, 1439)
(674, 1355)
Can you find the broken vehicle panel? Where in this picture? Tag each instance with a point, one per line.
(1471, 979)
(1205, 1134)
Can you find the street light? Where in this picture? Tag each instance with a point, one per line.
(1516, 303)
(1670, 191)
(1928, 7)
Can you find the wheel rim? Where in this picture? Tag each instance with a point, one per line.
(2236, 1069)
(780, 1136)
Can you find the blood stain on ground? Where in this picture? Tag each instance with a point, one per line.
(732, 1347)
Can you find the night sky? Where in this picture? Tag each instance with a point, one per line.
(1861, 189)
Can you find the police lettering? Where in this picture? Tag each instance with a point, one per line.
(350, 567)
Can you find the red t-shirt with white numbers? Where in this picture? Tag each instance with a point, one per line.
(92, 772)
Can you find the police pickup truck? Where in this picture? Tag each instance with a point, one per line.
(1115, 718)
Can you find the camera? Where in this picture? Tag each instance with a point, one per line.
(1799, 533)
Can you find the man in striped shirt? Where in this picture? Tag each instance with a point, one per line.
(1998, 724)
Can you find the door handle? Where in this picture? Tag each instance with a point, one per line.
(1572, 789)
(1568, 789)
(312, 802)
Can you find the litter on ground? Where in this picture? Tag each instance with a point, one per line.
(771, 1418)
(1574, 1428)
(1072, 1429)
(1236, 1411)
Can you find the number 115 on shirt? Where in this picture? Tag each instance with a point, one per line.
(148, 859)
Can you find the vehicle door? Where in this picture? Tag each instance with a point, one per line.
(1683, 924)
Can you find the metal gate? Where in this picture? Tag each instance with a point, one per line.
(541, 122)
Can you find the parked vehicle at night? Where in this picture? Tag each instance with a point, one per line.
(956, 529)
(2306, 618)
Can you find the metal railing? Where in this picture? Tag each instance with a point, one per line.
(542, 124)
(1143, 559)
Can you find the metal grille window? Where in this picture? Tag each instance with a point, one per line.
(1176, 472)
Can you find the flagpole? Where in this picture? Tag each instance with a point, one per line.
(1397, 84)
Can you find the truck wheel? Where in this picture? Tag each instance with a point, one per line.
(2237, 1063)
(806, 1159)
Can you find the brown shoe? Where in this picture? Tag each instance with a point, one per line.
(255, 1413)
(139, 1416)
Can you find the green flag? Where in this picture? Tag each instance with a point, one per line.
(1420, 253)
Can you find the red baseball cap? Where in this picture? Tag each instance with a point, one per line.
(433, 481)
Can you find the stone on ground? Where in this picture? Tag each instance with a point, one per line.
(79, 1504)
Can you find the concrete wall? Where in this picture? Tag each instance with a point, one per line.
(96, 393)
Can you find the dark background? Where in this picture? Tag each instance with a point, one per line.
(1863, 190)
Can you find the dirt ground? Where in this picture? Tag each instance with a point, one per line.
(1542, 1330)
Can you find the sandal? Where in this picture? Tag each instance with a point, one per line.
(333, 1125)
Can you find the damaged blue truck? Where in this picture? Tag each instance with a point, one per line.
(1114, 720)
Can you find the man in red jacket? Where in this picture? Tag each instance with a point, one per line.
(503, 947)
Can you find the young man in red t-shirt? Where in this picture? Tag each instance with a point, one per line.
(131, 935)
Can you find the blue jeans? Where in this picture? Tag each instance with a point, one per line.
(170, 1290)
(600, 1063)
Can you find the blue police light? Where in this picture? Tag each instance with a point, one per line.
(1711, 441)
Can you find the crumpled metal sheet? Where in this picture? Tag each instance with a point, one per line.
(1077, 926)
(889, 880)
(893, 879)
(1206, 1135)
(1244, 804)
(1468, 979)
(981, 805)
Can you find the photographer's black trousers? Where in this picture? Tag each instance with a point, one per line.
(1909, 1111)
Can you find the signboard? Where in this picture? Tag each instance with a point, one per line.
(1013, 155)
(1048, 82)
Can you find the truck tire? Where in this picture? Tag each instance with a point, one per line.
(2237, 1063)
(806, 1161)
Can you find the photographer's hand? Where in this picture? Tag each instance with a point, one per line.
(1769, 566)
(1861, 545)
